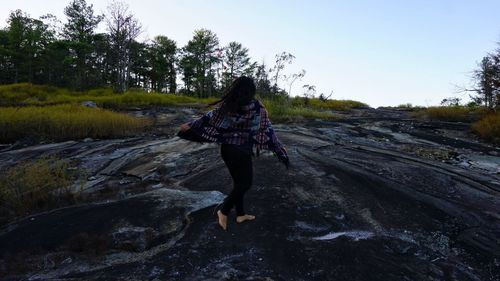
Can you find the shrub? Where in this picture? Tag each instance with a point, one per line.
(488, 127)
(63, 122)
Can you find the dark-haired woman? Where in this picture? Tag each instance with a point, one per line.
(239, 123)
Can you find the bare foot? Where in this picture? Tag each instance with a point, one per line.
(222, 220)
(243, 218)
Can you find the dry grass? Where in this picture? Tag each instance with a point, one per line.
(318, 104)
(284, 111)
(299, 108)
(488, 127)
(336, 104)
(33, 186)
(451, 113)
(62, 122)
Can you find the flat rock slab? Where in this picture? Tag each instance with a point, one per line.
(376, 196)
(97, 236)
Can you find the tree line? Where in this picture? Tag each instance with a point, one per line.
(73, 55)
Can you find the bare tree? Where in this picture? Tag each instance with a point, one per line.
(281, 61)
(294, 77)
(309, 90)
(123, 29)
(323, 97)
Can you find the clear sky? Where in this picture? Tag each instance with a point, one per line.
(382, 52)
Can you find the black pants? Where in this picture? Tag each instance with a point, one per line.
(238, 159)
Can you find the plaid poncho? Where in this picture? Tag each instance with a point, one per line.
(250, 124)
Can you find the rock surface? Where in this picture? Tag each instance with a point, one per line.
(376, 195)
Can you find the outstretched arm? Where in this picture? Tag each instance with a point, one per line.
(194, 130)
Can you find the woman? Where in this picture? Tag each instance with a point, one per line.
(239, 123)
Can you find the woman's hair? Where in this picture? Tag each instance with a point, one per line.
(239, 93)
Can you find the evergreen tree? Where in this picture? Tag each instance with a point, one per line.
(199, 58)
(79, 31)
(236, 62)
(162, 61)
(23, 45)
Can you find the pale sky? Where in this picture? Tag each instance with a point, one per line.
(381, 52)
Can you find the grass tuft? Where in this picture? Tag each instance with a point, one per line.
(33, 186)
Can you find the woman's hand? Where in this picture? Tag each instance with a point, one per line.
(184, 127)
(283, 157)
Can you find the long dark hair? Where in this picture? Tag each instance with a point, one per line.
(239, 93)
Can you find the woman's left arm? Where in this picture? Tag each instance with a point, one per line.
(273, 143)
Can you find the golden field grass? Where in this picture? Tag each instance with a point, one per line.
(281, 109)
(66, 121)
(47, 113)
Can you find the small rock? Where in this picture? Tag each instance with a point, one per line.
(89, 104)
(160, 185)
(67, 260)
(135, 239)
(87, 139)
(124, 181)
